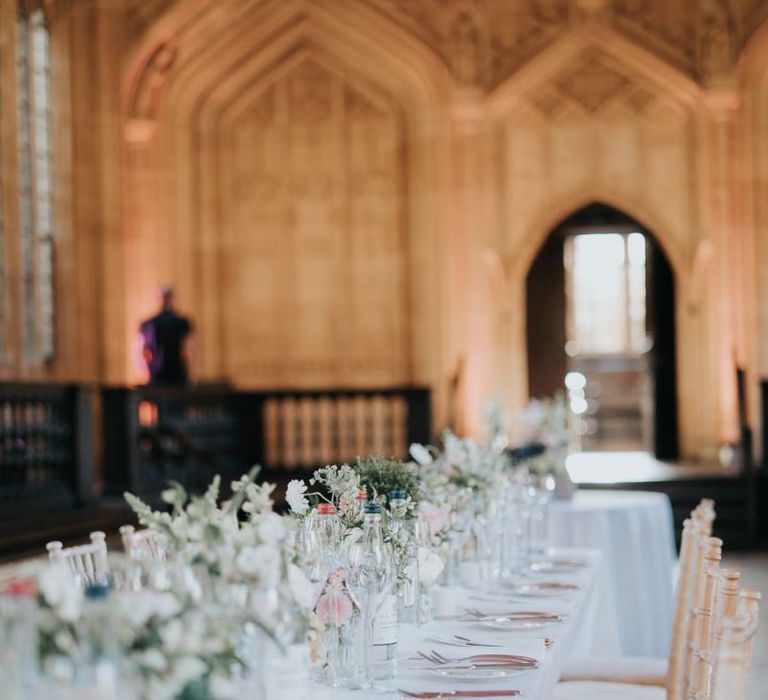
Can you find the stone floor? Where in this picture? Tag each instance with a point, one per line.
(754, 574)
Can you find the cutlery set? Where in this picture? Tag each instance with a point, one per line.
(428, 695)
(476, 615)
(475, 662)
(486, 665)
(478, 661)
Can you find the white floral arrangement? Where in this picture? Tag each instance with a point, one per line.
(496, 425)
(252, 552)
(463, 463)
(172, 647)
(340, 485)
(544, 422)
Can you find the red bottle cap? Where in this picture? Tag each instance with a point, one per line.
(20, 588)
(326, 509)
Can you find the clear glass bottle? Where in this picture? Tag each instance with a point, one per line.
(98, 667)
(336, 661)
(18, 629)
(372, 581)
(408, 578)
(322, 533)
(361, 500)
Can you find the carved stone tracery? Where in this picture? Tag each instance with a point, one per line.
(591, 85)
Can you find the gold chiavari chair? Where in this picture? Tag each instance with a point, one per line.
(716, 663)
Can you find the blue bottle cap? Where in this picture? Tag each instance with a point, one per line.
(96, 591)
(372, 509)
(398, 495)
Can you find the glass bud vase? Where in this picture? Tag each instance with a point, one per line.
(336, 662)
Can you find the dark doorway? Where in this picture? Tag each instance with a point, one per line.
(601, 326)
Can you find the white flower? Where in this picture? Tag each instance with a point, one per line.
(430, 566)
(271, 528)
(452, 448)
(171, 634)
(300, 586)
(153, 659)
(420, 454)
(263, 560)
(294, 495)
(186, 670)
(140, 606)
(436, 519)
(61, 592)
(222, 688)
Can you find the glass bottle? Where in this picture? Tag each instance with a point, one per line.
(361, 500)
(372, 583)
(335, 661)
(18, 630)
(408, 587)
(322, 533)
(98, 670)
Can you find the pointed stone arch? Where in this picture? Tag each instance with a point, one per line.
(219, 67)
(540, 226)
(592, 38)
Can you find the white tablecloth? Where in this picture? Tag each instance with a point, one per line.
(635, 532)
(288, 678)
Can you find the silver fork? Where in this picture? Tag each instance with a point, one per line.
(513, 658)
(428, 695)
(467, 642)
(468, 666)
(527, 614)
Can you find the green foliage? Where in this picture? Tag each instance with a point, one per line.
(380, 475)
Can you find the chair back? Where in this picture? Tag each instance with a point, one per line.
(734, 659)
(142, 544)
(87, 562)
(689, 542)
(701, 626)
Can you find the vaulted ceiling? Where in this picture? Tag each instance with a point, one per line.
(483, 42)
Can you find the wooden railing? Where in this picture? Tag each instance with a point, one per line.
(153, 435)
(300, 430)
(45, 448)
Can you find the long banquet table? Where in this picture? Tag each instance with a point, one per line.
(583, 625)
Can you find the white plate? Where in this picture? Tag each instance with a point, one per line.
(557, 565)
(479, 674)
(507, 624)
(533, 590)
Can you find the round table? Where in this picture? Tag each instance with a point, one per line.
(635, 532)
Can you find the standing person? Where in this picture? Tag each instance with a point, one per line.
(165, 344)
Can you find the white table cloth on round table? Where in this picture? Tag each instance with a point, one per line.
(635, 532)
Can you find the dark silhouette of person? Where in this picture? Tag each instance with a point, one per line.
(165, 339)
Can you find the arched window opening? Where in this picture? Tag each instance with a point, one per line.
(35, 184)
(601, 327)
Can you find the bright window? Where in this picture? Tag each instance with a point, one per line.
(605, 275)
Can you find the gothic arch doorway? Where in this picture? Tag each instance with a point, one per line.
(600, 303)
